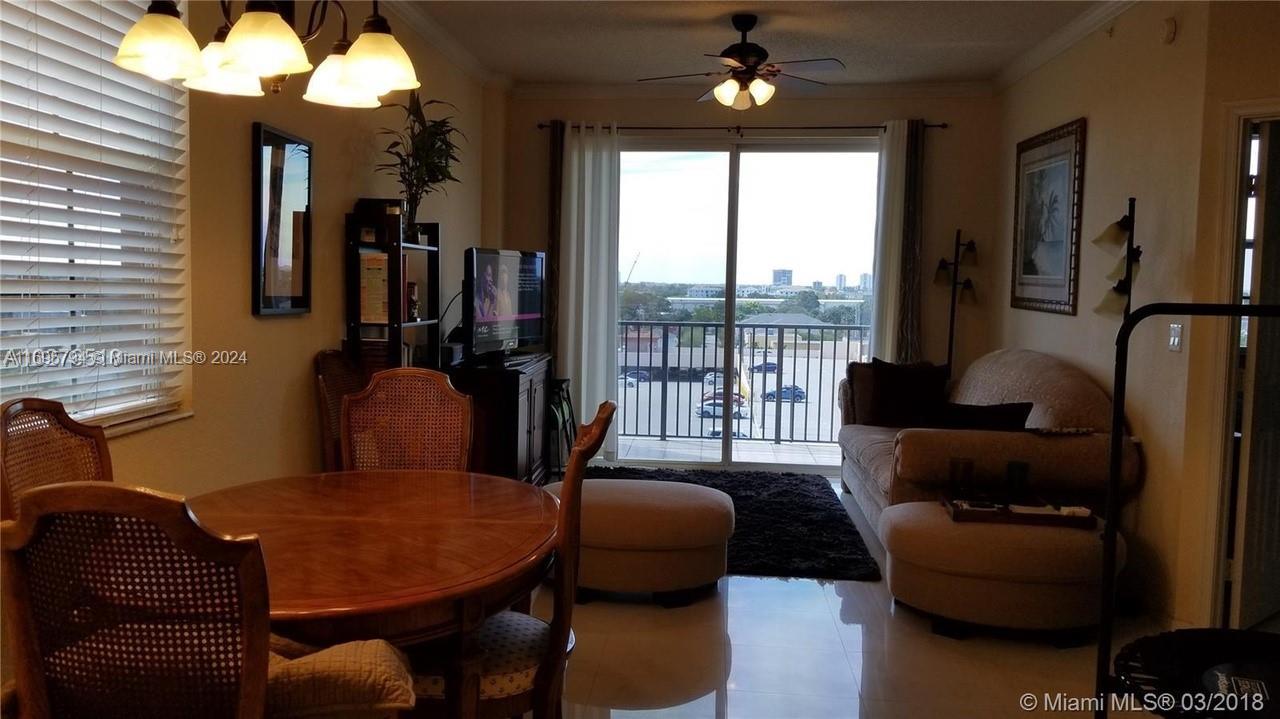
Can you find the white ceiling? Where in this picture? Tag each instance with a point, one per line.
(605, 43)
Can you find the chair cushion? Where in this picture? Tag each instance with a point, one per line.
(923, 534)
(512, 646)
(650, 514)
(871, 448)
(352, 679)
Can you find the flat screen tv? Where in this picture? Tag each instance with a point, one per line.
(503, 299)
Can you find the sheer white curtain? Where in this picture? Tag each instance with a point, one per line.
(891, 195)
(588, 353)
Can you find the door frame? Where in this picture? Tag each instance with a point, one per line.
(1217, 499)
(715, 141)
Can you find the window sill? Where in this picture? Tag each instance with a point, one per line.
(139, 425)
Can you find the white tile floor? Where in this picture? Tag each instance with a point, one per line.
(648, 449)
(768, 648)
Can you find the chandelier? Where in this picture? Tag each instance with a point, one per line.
(261, 44)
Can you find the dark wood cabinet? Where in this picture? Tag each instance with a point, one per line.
(509, 401)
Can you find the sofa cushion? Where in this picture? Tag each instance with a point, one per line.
(901, 395)
(649, 514)
(923, 534)
(1063, 394)
(871, 448)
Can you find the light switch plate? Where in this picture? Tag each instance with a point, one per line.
(1175, 336)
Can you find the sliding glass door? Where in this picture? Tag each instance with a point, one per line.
(806, 239)
(744, 290)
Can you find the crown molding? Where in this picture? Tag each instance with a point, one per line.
(419, 21)
(690, 92)
(1062, 40)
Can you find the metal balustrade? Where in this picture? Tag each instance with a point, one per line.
(671, 381)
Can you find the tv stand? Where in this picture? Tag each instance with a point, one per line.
(509, 397)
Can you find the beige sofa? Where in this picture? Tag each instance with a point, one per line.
(883, 466)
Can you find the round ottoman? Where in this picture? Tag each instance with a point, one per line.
(649, 536)
(1005, 575)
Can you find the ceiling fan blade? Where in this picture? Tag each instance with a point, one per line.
(817, 63)
(709, 94)
(673, 77)
(726, 61)
(789, 76)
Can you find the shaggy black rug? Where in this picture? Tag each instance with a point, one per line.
(786, 525)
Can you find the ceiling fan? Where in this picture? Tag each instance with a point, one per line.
(749, 74)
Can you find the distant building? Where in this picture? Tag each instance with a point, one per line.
(817, 286)
(706, 291)
(841, 282)
(752, 290)
(864, 282)
(782, 278)
(790, 291)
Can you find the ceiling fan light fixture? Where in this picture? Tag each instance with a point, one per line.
(160, 46)
(761, 90)
(263, 44)
(727, 92)
(742, 101)
(377, 59)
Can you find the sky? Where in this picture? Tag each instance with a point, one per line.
(810, 212)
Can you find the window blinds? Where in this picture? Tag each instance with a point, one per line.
(92, 215)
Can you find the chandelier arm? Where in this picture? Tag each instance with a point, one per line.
(226, 11)
(313, 25)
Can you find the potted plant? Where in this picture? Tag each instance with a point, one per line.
(422, 153)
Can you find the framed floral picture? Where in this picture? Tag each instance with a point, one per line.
(1047, 200)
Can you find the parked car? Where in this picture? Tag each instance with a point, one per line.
(627, 381)
(716, 379)
(638, 375)
(737, 434)
(717, 395)
(716, 409)
(765, 367)
(788, 393)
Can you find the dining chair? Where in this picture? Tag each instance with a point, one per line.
(407, 418)
(43, 445)
(336, 377)
(523, 658)
(120, 604)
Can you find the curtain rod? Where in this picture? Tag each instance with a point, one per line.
(739, 129)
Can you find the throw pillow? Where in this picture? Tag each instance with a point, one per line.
(903, 395)
(861, 387)
(1010, 417)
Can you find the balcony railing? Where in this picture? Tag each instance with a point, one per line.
(671, 380)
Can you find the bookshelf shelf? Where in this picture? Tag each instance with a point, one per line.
(383, 274)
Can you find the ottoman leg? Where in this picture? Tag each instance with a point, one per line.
(683, 597)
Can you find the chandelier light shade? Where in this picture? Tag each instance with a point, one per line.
(761, 90)
(726, 92)
(263, 44)
(221, 79)
(160, 46)
(331, 83)
(742, 101)
(377, 60)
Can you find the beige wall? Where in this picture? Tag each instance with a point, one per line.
(258, 420)
(1163, 122)
(959, 168)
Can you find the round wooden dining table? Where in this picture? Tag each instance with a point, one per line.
(405, 556)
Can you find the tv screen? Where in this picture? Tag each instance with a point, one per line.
(504, 293)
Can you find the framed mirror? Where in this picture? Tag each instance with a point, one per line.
(281, 222)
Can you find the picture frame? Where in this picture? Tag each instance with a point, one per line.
(281, 232)
(1047, 207)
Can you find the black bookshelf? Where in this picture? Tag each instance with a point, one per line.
(381, 260)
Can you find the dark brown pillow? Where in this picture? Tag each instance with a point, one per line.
(1010, 417)
(901, 395)
(861, 389)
